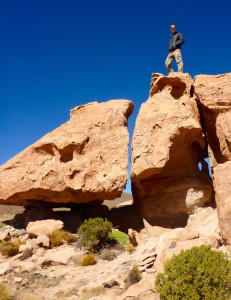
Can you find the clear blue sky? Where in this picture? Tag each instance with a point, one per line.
(57, 54)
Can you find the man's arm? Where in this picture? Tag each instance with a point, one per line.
(180, 40)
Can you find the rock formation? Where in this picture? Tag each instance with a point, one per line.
(83, 160)
(214, 94)
(167, 145)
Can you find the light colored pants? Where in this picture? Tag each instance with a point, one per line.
(176, 54)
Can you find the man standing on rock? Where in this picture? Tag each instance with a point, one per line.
(174, 48)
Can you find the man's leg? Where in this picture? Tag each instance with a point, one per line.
(179, 60)
(168, 62)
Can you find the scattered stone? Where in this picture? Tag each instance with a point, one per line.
(43, 241)
(109, 284)
(147, 262)
(5, 268)
(17, 279)
(5, 236)
(57, 256)
(144, 286)
(45, 227)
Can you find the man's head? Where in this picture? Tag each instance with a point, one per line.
(173, 28)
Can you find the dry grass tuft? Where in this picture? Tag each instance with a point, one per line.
(88, 259)
(5, 293)
(130, 248)
(10, 248)
(60, 237)
(108, 254)
(28, 297)
(89, 292)
(133, 276)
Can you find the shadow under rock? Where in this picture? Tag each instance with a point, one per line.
(126, 217)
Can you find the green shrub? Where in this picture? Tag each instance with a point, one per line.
(93, 233)
(133, 276)
(197, 273)
(88, 259)
(60, 237)
(10, 248)
(118, 236)
(2, 225)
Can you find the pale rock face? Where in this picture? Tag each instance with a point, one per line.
(135, 238)
(205, 222)
(214, 94)
(222, 180)
(58, 256)
(83, 160)
(176, 240)
(167, 146)
(44, 227)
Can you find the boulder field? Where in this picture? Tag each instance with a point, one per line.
(84, 161)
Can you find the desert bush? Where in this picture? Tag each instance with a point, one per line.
(118, 236)
(10, 248)
(88, 259)
(130, 248)
(60, 237)
(108, 254)
(133, 276)
(4, 292)
(197, 273)
(93, 233)
(2, 225)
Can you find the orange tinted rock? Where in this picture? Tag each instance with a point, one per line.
(83, 160)
(167, 146)
(44, 227)
(214, 94)
(222, 180)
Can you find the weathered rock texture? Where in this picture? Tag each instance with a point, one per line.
(214, 94)
(83, 160)
(167, 146)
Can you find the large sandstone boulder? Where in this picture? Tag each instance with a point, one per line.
(222, 180)
(167, 146)
(214, 94)
(83, 160)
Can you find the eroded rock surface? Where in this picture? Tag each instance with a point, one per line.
(83, 160)
(222, 180)
(214, 94)
(167, 146)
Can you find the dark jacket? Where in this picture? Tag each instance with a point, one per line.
(175, 42)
